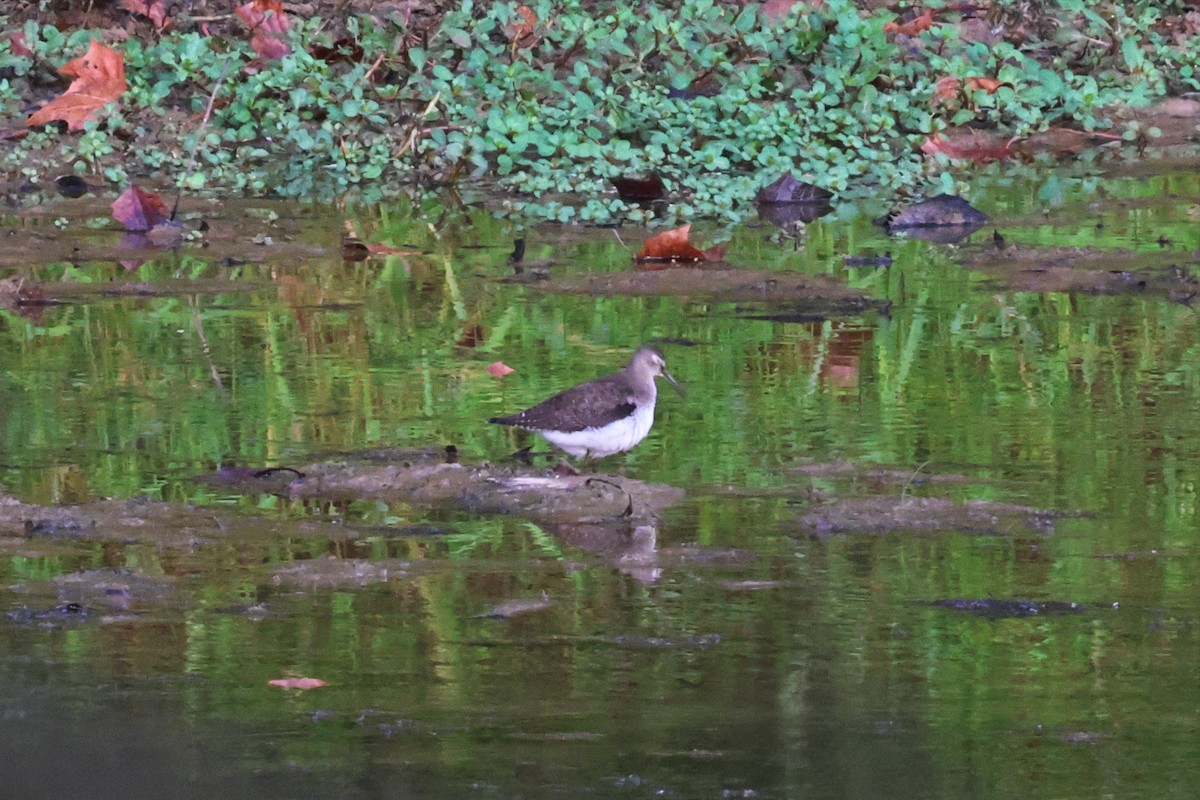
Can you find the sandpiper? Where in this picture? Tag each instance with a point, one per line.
(601, 417)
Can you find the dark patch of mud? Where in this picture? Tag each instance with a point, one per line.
(883, 474)
(535, 495)
(995, 608)
(1077, 269)
(738, 285)
(928, 514)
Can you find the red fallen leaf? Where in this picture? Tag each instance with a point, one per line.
(911, 28)
(297, 683)
(99, 80)
(148, 8)
(775, 10)
(16, 45)
(139, 210)
(269, 24)
(670, 245)
(968, 144)
(499, 369)
(945, 89)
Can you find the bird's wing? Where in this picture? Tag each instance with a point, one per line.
(589, 405)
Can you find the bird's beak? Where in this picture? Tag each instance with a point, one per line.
(671, 380)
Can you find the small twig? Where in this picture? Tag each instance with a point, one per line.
(912, 477)
(198, 324)
(212, 99)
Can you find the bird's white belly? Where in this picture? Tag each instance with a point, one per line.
(615, 437)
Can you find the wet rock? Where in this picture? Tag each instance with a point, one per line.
(789, 200)
(342, 573)
(996, 608)
(511, 608)
(701, 640)
(252, 480)
(56, 617)
(943, 210)
(888, 514)
(882, 473)
(943, 219)
(1078, 269)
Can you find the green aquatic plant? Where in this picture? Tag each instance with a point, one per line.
(554, 101)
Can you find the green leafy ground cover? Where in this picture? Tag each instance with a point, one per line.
(715, 97)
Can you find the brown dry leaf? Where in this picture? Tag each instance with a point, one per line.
(268, 22)
(99, 80)
(945, 89)
(520, 30)
(297, 683)
(670, 245)
(912, 28)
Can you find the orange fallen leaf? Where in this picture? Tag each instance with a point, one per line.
(297, 683)
(99, 80)
(499, 369)
(945, 89)
(989, 85)
(670, 245)
(139, 210)
(268, 22)
(911, 28)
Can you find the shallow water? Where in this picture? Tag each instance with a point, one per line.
(728, 650)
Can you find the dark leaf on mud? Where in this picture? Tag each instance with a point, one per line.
(344, 51)
(941, 210)
(518, 253)
(354, 250)
(787, 189)
(139, 210)
(996, 608)
(640, 190)
(71, 186)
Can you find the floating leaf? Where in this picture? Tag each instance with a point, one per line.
(99, 80)
(139, 210)
(670, 245)
(297, 683)
(499, 369)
